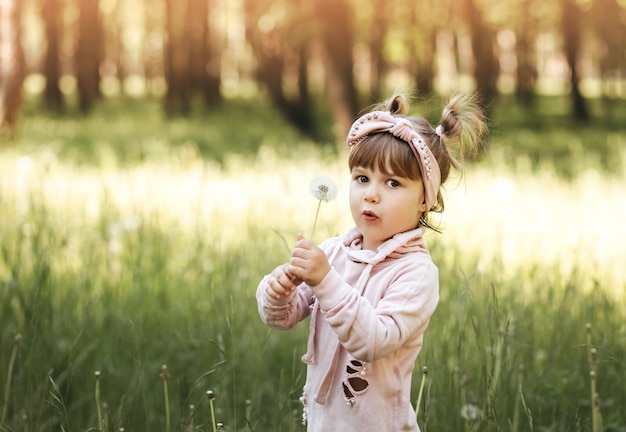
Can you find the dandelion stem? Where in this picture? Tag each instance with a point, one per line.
(248, 414)
(7, 387)
(211, 396)
(165, 377)
(419, 396)
(592, 352)
(518, 398)
(99, 402)
(319, 204)
(192, 410)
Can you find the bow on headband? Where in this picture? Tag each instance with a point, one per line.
(383, 121)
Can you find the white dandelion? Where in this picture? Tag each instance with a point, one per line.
(323, 189)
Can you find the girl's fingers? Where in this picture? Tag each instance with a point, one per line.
(281, 284)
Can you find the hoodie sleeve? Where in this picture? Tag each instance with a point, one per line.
(283, 314)
(372, 332)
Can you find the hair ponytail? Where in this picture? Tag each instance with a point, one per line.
(463, 123)
(462, 131)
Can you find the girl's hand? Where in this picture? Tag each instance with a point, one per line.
(308, 262)
(280, 283)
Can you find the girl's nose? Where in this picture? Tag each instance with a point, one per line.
(371, 194)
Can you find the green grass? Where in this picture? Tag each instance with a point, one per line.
(128, 131)
(124, 247)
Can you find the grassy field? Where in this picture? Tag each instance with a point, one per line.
(128, 243)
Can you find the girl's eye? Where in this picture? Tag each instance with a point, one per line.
(362, 179)
(393, 183)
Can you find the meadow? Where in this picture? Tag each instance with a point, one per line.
(131, 248)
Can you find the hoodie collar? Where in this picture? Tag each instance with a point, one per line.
(398, 245)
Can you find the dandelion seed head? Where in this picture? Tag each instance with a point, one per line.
(323, 188)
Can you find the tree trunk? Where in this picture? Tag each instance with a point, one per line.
(213, 54)
(611, 32)
(526, 71)
(118, 46)
(197, 17)
(376, 44)
(88, 54)
(11, 64)
(267, 50)
(51, 12)
(422, 48)
(336, 36)
(486, 67)
(177, 100)
(570, 22)
(271, 48)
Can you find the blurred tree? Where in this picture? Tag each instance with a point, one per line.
(114, 51)
(279, 35)
(153, 56)
(525, 54)
(176, 58)
(212, 43)
(571, 28)
(51, 12)
(192, 55)
(486, 67)
(88, 53)
(609, 23)
(423, 45)
(336, 34)
(204, 64)
(185, 41)
(11, 64)
(376, 34)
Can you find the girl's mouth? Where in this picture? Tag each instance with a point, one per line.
(369, 215)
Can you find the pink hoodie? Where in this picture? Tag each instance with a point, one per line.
(367, 325)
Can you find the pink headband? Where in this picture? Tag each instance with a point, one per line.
(383, 121)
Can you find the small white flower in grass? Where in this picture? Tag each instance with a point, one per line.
(323, 189)
(470, 412)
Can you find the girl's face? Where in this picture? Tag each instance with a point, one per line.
(384, 205)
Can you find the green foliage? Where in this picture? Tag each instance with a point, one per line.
(127, 131)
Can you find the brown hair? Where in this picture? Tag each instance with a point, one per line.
(463, 127)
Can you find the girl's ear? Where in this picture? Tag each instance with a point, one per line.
(422, 207)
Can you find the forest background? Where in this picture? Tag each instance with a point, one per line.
(152, 153)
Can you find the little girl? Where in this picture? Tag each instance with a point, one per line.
(371, 292)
